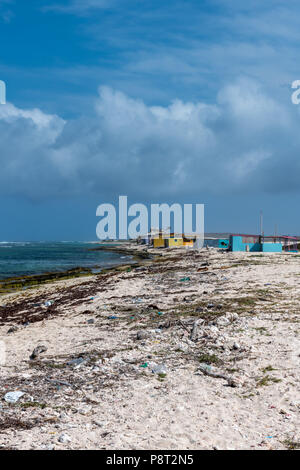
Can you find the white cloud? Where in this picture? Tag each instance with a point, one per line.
(11, 114)
(245, 141)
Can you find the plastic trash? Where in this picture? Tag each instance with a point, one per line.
(159, 369)
(145, 365)
(13, 397)
(185, 279)
(205, 367)
(76, 362)
(64, 439)
(159, 313)
(49, 303)
(112, 317)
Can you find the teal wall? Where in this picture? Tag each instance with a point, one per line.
(236, 244)
(272, 247)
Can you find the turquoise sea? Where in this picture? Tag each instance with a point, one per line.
(29, 258)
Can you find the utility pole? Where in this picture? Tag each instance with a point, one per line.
(261, 223)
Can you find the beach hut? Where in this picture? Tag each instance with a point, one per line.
(265, 244)
(240, 242)
(158, 242)
(174, 240)
(188, 241)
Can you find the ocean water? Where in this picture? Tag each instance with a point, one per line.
(24, 259)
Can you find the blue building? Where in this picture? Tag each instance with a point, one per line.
(258, 243)
(223, 243)
(245, 243)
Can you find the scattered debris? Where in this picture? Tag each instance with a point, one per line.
(194, 333)
(37, 351)
(208, 370)
(64, 439)
(142, 334)
(93, 373)
(11, 330)
(13, 397)
(159, 369)
(76, 362)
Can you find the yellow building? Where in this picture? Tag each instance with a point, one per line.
(173, 240)
(159, 242)
(188, 242)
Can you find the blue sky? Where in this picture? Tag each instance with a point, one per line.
(175, 101)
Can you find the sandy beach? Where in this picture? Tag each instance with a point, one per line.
(188, 350)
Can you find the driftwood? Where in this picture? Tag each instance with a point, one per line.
(217, 375)
(58, 382)
(194, 333)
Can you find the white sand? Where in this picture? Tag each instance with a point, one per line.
(113, 403)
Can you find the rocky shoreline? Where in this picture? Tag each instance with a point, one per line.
(182, 350)
(15, 284)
